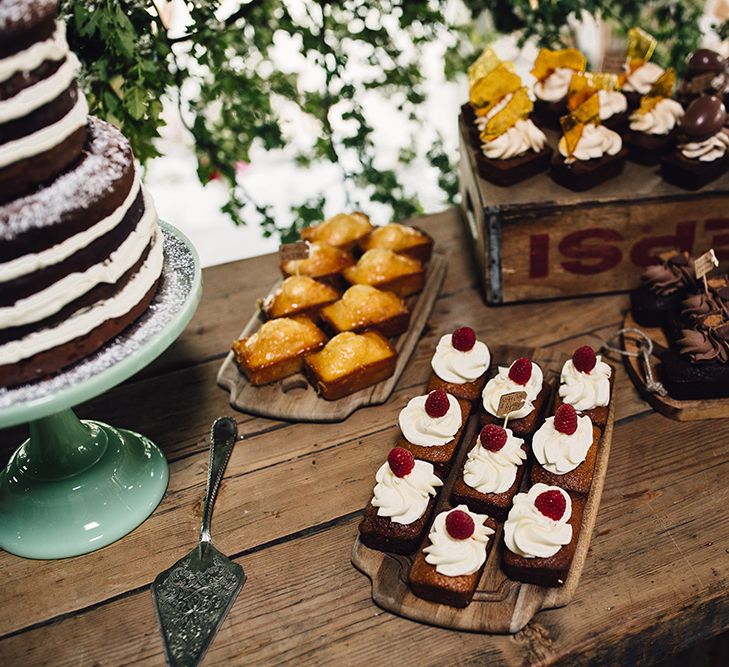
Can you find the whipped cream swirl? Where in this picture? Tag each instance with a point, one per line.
(661, 119)
(530, 534)
(642, 78)
(585, 391)
(494, 472)
(419, 428)
(560, 453)
(555, 86)
(596, 141)
(611, 102)
(708, 150)
(521, 137)
(405, 499)
(502, 384)
(456, 366)
(455, 558)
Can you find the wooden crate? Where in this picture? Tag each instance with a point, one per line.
(538, 240)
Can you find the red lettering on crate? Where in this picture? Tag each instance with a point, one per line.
(645, 250)
(573, 246)
(539, 255)
(719, 242)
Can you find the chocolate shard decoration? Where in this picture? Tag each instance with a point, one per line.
(509, 403)
(291, 251)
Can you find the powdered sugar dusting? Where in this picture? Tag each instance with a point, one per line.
(107, 157)
(20, 14)
(177, 287)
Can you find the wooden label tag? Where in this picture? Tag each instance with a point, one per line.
(705, 264)
(290, 251)
(509, 403)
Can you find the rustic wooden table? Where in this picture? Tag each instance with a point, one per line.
(655, 581)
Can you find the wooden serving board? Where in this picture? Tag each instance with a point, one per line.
(500, 605)
(684, 411)
(294, 399)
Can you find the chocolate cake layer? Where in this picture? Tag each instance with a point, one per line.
(582, 175)
(96, 252)
(513, 170)
(90, 190)
(22, 177)
(22, 80)
(41, 117)
(25, 22)
(691, 174)
(648, 148)
(51, 361)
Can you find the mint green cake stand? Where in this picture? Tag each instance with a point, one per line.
(75, 486)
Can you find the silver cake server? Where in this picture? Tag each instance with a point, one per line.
(194, 595)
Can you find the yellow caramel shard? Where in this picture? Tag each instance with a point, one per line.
(492, 88)
(640, 47)
(579, 91)
(603, 80)
(518, 108)
(574, 123)
(547, 61)
(480, 67)
(662, 88)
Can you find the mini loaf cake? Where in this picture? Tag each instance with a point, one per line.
(522, 375)
(387, 270)
(492, 473)
(401, 239)
(343, 230)
(350, 362)
(325, 263)
(298, 295)
(565, 449)
(541, 535)
(398, 514)
(460, 364)
(363, 308)
(277, 349)
(432, 428)
(448, 568)
(586, 384)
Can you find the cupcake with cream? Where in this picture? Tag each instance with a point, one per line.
(586, 384)
(460, 364)
(553, 71)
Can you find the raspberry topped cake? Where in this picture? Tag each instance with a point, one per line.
(460, 364)
(447, 570)
(403, 498)
(586, 383)
(80, 249)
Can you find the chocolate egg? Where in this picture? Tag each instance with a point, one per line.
(702, 61)
(704, 117)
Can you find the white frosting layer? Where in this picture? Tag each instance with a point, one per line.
(419, 428)
(502, 384)
(452, 365)
(47, 137)
(596, 141)
(452, 557)
(53, 48)
(528, 533)
(36, 261)
(611, 102)
(29, 99)
(661, 119)
(481, 121)
(405, 499)
(584, 391)
(88, 319)
(713, 148)
(49, 301)
(642, 78)
(560, 453)
(494, 472)
(555, 86)
(521, 137)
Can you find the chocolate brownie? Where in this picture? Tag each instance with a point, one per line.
(513, 170)
(646, 148)
(582, 175)
(691, 174)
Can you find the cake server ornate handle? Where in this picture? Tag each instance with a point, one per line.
(223, 437)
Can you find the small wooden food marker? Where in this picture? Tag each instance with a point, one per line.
(705, 264)
(509, 403)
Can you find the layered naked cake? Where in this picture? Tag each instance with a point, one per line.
(80, 249)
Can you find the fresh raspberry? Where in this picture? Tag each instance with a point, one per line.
(437, 404)
(521, 371)
(551, 503)
(493, 437)
(463, 339)
(584, 359)
(565, 419)
(459, 525)
(401, 461)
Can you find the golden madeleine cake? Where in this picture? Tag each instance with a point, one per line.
(343, 230)
(362, 308)
(387, 270)
(401, 239)
(324, 262)
(298, 295)
(277, 349)
(350, 362)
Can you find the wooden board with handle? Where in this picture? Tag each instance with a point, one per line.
(294, 399)
(500, 605)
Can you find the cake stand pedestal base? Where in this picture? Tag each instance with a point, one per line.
(75, 486)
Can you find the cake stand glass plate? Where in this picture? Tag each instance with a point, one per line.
(75, 486)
